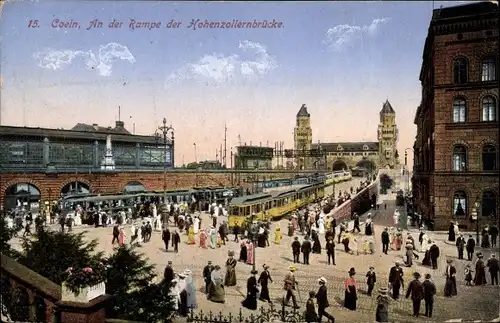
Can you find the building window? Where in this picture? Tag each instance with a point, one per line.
(459, 203)
(488, 204)
(459, 110)
(489, 105)
(459, 158)
(460, 71)
(489, 69)
(489, 157)
(339, 148)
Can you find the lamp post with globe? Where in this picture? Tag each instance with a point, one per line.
(475, 217)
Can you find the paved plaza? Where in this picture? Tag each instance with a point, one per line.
(472, 303)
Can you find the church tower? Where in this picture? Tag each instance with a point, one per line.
(387, 137)
(303, 138)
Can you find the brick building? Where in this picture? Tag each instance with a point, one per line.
(456, 148)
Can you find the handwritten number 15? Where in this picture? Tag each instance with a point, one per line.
(33, 24)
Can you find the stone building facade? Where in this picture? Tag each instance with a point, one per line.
(456, 148)
(347, 155)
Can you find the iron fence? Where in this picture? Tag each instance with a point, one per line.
(262, 315)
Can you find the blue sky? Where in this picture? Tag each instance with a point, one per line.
(343, 59)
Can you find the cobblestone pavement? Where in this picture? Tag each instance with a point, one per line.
(472, 303)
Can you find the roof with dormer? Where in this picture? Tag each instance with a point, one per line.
(347, 146)
(303, 111)
(387, 108)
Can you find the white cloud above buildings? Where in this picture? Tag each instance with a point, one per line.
(100, 61)
(341, 36)
(220, 68)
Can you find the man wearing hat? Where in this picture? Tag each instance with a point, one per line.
(396, 279)
(310, 314)
(385, 240)
(469, 246)
(322, 300)
(296, 250)
(371, 279)
(429, 292)
(290, 284)
(168, 274)
(264, 279)
(306, 249)
(493, 268)
(207, 275)
(460, 246)
(416, 290)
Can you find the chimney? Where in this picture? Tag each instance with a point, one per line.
(96, 126)
(120, 124)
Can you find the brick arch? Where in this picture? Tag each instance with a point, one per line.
(460, 142)
(484, 94)
(488, 141)
(455, 57)
(460, 95)
(21, 180)
(124, 183)
(339, 162)
(493, 189)
(78, 179)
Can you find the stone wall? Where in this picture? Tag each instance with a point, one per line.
(50, 185)
(345, 210)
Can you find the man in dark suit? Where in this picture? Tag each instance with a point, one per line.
(385, 240)
(493, 268)
(306, 250)
(429, 292)
(168, 274)
(330, 250)
(356, 223)
(471, 244)
(416, 289)
(434, 255)
(176, 239)
(396, 280)
(296, 250)
(322, 300)
(460, 246)
(165, 236)
(207, 272)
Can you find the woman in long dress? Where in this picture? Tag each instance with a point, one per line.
(250, 301)
(383, 300)
(250, 247)
(316, 248)
(196, 224)
(203, 239)
(395, 219)
(213, 238)
(191, 235)
(480, 277)
(121, 237)
(321, 226)
(230, 279)
(243, 251)
(277, 234)
(351, 297)
(190, 290)
(368, 226)
(294, 222)
(216, 292)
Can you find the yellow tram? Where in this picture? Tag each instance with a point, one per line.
(274, 204)
(338, 177)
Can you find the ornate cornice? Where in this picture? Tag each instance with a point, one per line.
(478, 23)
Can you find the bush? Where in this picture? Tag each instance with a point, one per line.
(76, 279)
(386, 182)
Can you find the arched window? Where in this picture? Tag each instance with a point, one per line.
(459, 158)
(460, 70)
(459, 110)
(489, 69)
(488, 204)
(489, 157)
(459, 204)
(489, 105)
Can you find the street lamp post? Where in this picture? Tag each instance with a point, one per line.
(254, 232)
(407, 184)
(475, 217)
(164, 130)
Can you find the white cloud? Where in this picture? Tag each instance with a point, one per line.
(220, 68)
(338, 37)
(102, 61)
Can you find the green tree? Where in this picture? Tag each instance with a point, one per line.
(127, 270)
(52, 252)
(386, 183)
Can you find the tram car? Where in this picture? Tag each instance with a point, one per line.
(274, 204)
(338, 177)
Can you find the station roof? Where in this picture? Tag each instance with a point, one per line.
(347, 146)
(79, 132)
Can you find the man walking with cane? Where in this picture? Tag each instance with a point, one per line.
(322, 300)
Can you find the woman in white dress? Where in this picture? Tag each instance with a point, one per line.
(425, 243)
(321, 226)
(196, 224)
